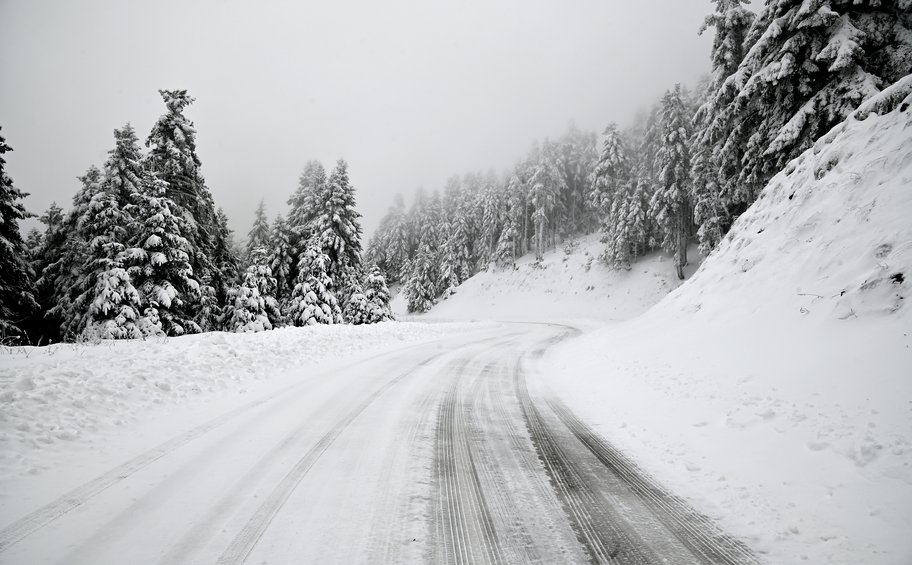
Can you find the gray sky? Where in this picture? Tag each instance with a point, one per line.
(409, 92)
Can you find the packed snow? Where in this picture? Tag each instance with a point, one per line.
(69, 398)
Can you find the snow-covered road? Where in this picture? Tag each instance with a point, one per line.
(451, 451)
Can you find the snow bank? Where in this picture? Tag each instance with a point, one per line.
(773, 389)
(68, 393)
(569, 283)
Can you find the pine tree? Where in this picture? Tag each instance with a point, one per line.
(339, 229)
(69, 275)
(807, 66)
(281, 257)
(258, 236)
(114, 310)
(670, 204)
(159, 262)
(172, 156)
(44, 326)
(357, 308)
(421, 288)
(123, 170)
(17, 292)
(378, 297)
(312, 300)
(307, 200)
(250, 311)
(218, 308)
(546, 184)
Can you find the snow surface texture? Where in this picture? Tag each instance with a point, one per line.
(773, 388)
(570, 283)
(63, 398)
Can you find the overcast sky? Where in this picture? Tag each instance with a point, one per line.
(408, 92)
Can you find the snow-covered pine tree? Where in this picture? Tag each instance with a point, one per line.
(218, 308)
(807, 66)
(44, 327)
(389, 247)
(66, 274)
(172, 156)
(17, 291)
(258, 236)
(577, 154)
(281, 257)
(312, 300)
(505, 254)
(114, 310)
(159, 262)
(339, 229)
(123, 170)
(546, 184)
(732, 21)
(307, 201)
(378, 297)
(492, 220)
(611, 191)
(250, 311)
(357, 308)
(425, 282)
(670, 206)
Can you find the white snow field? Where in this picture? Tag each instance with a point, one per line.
(773, 390)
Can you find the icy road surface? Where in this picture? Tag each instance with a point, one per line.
(448, 452)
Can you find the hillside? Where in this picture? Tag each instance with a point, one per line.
(570, 283)
(772, 388)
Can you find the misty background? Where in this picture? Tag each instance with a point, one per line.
(409, 93)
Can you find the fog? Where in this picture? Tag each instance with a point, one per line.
(408, 93)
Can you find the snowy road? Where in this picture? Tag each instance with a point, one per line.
(449, 452)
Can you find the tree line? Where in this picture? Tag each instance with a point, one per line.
(682, 172)
(144, 252)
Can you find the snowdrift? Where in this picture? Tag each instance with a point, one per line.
(773, 388)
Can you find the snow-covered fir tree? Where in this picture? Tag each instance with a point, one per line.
(159, 262)
(17, 292)
(250, 309)
(258, 236)
(173, 157)
(281, 257)
(546, 184)
(389, 246)
(218, 308)
(114, 310)
(312, 300)
(807, 65)
(378, 297)
(339, 229)
(670, 204)
(308, 199)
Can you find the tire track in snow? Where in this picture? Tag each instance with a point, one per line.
(601, 535)
(694, 529)
(245, 541)
(43, 516)
(465, 531)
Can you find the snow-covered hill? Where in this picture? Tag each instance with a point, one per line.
(773, 388)
(569, 283)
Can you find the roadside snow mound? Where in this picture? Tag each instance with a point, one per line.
(569, 283)
(831, 235)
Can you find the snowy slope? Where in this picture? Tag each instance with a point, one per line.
(773, 389)
(570, 283)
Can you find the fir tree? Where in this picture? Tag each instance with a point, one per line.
(546, 183)
(281, 257)
(17, 292)
(249, 313)
(807, 66)
(172, 156)
(219, 307)
(159, 262)
(339, 228)
(312, 300)
(378, 297)
(114, 310)
(258, 236)
(670, 204)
